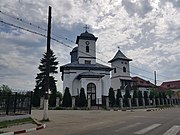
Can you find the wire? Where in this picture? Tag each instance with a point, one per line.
(67, 46)
(67, 39)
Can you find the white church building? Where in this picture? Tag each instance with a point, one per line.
(85, 72)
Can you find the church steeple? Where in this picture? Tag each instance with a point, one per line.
(86, 47)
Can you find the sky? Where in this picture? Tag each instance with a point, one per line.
(147, 31)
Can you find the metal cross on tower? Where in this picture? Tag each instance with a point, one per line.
(86, 28)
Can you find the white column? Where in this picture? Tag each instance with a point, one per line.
(137, 103)
(45, 115)
(89, 101)
(107, 102)
(130, 105)
(121, 102)
(154, 102)
(73, 102)
(143, 102)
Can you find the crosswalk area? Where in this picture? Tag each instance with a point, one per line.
(149, 129)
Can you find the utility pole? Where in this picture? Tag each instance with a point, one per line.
(155, 81)
(45, 116)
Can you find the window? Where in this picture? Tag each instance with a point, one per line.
(87, 48)
(124, 69)
(114, 70)
(87, 62)
(125, 62)
(122, 62)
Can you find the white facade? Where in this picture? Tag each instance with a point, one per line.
(84, 72)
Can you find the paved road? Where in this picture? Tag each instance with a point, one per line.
(162, 122)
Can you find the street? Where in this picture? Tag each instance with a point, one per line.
(97, 122)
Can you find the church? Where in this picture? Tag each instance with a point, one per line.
(84, 72)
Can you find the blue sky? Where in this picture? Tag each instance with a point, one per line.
(147, 31)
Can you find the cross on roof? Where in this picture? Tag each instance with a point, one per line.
(86, 27)
(118, 47)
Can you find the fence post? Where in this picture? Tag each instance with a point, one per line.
(7, 106)
(30, 104)
(15, 102)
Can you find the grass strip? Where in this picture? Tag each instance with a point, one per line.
(7, 123)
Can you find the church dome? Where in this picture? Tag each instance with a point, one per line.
(86, 34)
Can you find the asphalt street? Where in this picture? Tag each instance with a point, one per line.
(140, 122)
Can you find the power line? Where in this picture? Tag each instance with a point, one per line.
(67, 39)
(67, 46)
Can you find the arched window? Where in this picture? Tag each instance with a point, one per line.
(87, 48)
(124, 69)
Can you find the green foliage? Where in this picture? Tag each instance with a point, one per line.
(39, 90)
(146, 97)
(126, 96)
(5, 89)
(67, 99)
(59, 95)
(140, 98)
(170, 93)
(118, 95)
(111, 97)
(135, 94)
(82, 98)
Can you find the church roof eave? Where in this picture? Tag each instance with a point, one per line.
(119, 56)
(76, 65)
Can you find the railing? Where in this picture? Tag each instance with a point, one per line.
(15, 103)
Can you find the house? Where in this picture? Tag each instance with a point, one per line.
(142, 85)
(174, 86)
(84, 72)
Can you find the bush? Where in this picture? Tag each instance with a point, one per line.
(82, 98)
(67, 99)
(111, 97)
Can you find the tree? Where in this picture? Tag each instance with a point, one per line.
(41, 79)
(146, 97)
(5, 89)
(111, 97)
(126, 96)
(135, 95)
(82, 98)
(118, 95)
(52, 99)
(140, 98)
(67, 99)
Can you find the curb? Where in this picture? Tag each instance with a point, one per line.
(157, 109)
(25, 130)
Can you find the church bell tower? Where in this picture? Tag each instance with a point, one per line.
(86, 48)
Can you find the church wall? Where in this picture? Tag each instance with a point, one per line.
(106, 84)
(119, 64)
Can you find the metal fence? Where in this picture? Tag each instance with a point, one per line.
(15, 103)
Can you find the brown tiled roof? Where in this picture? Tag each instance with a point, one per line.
(141, 82)
(171, 84)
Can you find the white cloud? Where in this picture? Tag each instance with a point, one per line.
(148, 31)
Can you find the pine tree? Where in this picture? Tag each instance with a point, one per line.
(111, 97)
(41, 79)
(146, 97)
(126, 96)
(82, 98)
(135, 95)
(140, 98)
(67, 99)
(118, 95)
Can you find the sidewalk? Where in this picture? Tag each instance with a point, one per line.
(19, 128)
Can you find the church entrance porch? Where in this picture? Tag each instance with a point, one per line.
(91, 92)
